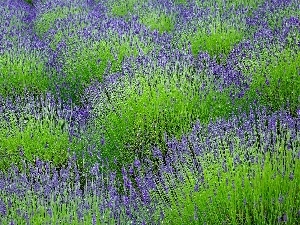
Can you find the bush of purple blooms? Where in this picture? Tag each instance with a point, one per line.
(149, 112)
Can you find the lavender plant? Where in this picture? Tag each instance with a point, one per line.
(279, 85)
(241, 194)
(139, 112)
(46, 20)
(218, 39)
(22, 71)
(279, 15)
(98, 58)
(247, 184)
(183, 2)
(122, 8)
(29, 138)
(157, 20)
(230, 4)
(155, 113)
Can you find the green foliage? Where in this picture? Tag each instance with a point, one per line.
(64, 35)
(276, 81)
(134, 116)
(47, 20)
(144, 109)
(62, 212)
(45, 139)
(229, 3)
(29, 1)
(241, 195)
(184, 2)
(20, 71)
(277, 17)
(121, 8)
(220, 39)
(90, 62)
(158, 21)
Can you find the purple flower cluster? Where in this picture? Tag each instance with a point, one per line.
(92, 189)
(254, 129)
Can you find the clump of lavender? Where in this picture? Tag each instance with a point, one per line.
(210, 31)
(121, 8)
(44, 22)
(22, 71)
(217, 172)
(243, 179)
(32, 138)
(165, 132)
(38, 128)
(99, 57)
(135, 113)
(158, 20)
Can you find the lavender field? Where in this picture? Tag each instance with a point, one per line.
(150, 112)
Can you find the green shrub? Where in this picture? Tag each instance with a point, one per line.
(276, 81)
(158, 21)
(20, 71)
(242, 195)
(90, 62)
(141, 111)
(44, 138)
(45, 21)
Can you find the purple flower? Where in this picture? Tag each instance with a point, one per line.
(196, 188)
(137, 163)
(283, 218)
(95, 169)
(293, 21)
(3, 209)
(94, 219)
(49, 211)
(157, 153)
